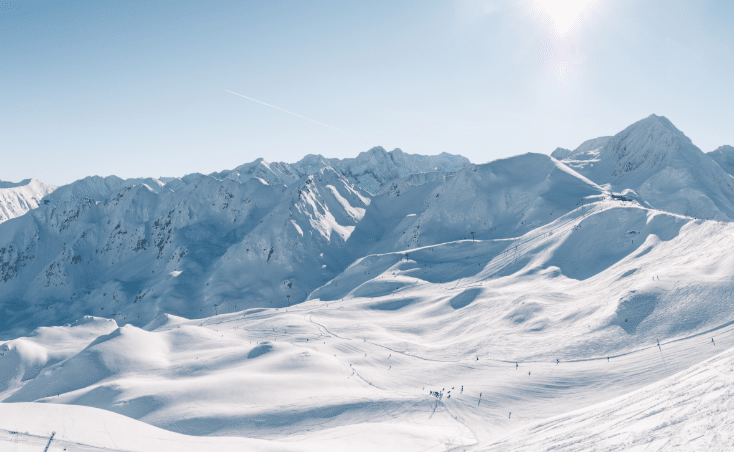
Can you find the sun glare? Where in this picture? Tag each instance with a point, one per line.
(563, 12)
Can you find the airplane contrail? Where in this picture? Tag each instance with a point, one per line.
(289, 112)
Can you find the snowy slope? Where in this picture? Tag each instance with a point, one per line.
(724, 156)
(18, 198)
(691, 410)
(660, 167)
(28, 427)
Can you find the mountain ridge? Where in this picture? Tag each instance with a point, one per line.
(18, 198)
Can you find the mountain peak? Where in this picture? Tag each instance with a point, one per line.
(647, 144)
(725, 149)
(658, 121)
(561, 153)
(7, 184)
(724, 156)
(376, 150)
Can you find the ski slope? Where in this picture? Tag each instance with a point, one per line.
(691, 410)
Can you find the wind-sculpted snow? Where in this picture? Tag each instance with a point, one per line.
(18, 198)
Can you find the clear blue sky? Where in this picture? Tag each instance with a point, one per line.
(137, 88)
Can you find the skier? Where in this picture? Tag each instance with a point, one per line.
(462, 390)
(516, 366)
(510, 416)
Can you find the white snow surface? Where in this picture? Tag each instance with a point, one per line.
(18, 198)
(513, 305)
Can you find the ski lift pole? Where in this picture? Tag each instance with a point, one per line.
(49, 441)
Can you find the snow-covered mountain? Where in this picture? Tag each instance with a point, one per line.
(18, 198)
(501, 306)
(211, 243)
(370, 170)
(588, 150)
(724, 156)
(96, 188)
(221, 245)
(658, 166)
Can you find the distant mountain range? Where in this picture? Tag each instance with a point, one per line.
(270, 234)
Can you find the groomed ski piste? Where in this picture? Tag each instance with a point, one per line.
(602, 325)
